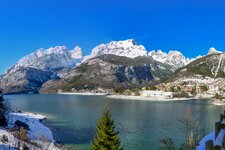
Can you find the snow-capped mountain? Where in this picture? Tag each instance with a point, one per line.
(212, 50)
(128, 48)
(49, 59)
(108, 72)
(172, 58)
(76, 53)
(31, 71)
(115, 61)
(25, 80)
(206, 69)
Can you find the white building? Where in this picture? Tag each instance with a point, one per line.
(151, 93)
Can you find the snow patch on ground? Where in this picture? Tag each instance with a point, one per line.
(219, 65)
(219, 138)
(210, 136)
(37, 129)
(38, 133)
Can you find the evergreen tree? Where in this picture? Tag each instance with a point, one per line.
(3, 110)
(106, 137)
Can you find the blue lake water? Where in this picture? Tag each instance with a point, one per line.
(72, 118)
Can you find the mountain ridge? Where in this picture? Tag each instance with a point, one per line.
(49, 59)
(209, 67)
(110, 72)
(57, 62)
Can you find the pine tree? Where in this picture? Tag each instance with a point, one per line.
(106, 137)
(3, 110)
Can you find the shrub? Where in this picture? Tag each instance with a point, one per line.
(152, 87)
(167, 144)
(172, 89)
(216, 148)
(119, 90)
(21, 134)
(3, 110)
(180, 94)
(4, 139)
(179, 88)
(204, 88)
(137, 93)
(218, 96)
(25, 147)
(193, 92)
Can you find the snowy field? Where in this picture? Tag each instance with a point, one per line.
(37, 133)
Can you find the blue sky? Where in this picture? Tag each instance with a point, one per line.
(191, 26)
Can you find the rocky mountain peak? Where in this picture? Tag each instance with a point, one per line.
(49, 59)
(76, 53)
(173, 58)
(212, 50)
(128, 48)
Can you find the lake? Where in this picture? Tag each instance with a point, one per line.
(73, 118)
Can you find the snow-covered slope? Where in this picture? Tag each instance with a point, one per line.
(25, 80)
(210, 66)
(128, 48)
(208, 71)
(212, 50)
(108, 72)
(172, 58)
(37, 133)
(31, 71)
(49, 59)
(76, 53)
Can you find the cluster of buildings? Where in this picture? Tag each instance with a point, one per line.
(193, 88)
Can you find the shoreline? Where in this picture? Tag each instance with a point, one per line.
(36, 132)
(145, 98)
(138, 98)
(218, 102)
(162, 98)
(82, 93)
